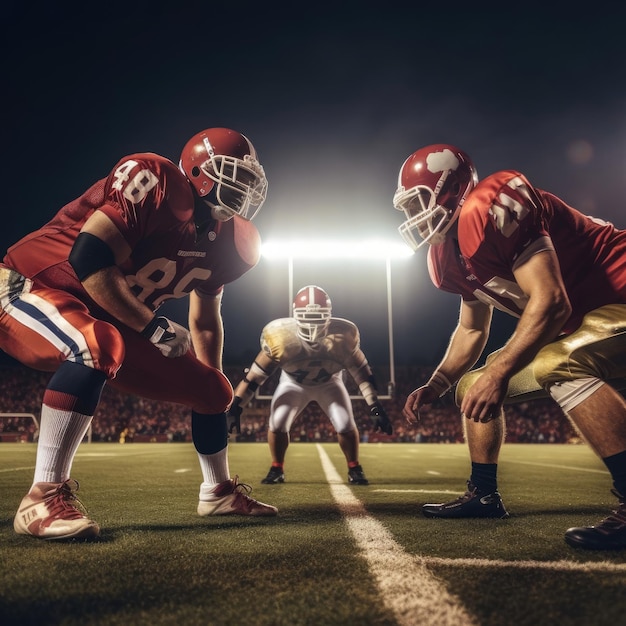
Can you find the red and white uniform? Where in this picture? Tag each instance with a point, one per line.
(151, 203)
(503, 222)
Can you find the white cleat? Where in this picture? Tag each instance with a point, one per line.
(52, 511)
(231, 498)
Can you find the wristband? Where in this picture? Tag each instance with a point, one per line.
(439, 383)
(155, 329)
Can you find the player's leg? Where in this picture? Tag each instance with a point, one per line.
(207, 392)
(481, 498)
(574, 370)
(288, 401)
(50, 331)
(334, 400)
(278, 443)
(484, 440)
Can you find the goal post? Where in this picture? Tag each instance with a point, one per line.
(312, 251)
(19, 435)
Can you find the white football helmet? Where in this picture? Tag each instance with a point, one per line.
(432, 186)
(222, 167)
(312, 310)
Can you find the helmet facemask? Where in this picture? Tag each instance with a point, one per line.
(427, 221)
(312, 322)
(240, 186)
(312, 312)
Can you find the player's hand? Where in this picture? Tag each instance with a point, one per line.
(380, 420)
(417, 399)
(234, 416)
(483, 400)
(172, 339)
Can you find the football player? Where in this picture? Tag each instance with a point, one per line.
(502, 243)
(312, 349)
(79, 297)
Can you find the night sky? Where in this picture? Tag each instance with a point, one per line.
(334, 100)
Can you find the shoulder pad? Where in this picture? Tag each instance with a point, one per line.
(247, 240)
(344, 334)
(279, 339)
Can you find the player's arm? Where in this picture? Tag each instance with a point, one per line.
(96, 255)
(98, 251)
(467, 343)
(547, 310)
(360, 370)
(253, 377)
(207, 328)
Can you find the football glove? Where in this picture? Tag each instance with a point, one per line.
(172, 339)
(380, 421)
(234, 416)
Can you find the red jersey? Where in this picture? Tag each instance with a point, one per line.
(503, 222)
(151, 202)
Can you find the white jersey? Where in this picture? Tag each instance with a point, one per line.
(311, 364)
(312, 372)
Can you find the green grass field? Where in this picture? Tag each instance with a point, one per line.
(335, 555)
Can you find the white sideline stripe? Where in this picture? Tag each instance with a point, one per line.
(408, 589)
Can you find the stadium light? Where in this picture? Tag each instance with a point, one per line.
(365, 249)
(335, 249)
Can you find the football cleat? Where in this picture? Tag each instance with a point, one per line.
(231, 498)
(52, 511)
(356, 476)
(472, 503)
(609, 534)
(274, 476)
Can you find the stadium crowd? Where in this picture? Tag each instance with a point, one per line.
(124, 418)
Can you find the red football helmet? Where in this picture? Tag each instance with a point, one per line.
(432, 186)
(312, 310)
(224, 162)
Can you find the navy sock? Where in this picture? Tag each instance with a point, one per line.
(616, 464)
(484, 477)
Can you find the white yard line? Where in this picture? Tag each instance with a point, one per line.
(16, 469)
(407, 587)
(560, 566)
(555, 466)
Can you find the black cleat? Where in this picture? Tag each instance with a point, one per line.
(274, 476)
(356, 476)
(609, 534)
(472, 503)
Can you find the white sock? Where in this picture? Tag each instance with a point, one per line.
(60, 434)
(214, 471)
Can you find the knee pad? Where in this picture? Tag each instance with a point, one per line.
(209, 432)
(466, 381)
(77, 384)
(523, 386)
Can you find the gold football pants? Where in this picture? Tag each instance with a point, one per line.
(597, 349)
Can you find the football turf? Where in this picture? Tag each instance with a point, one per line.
(335, 554)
